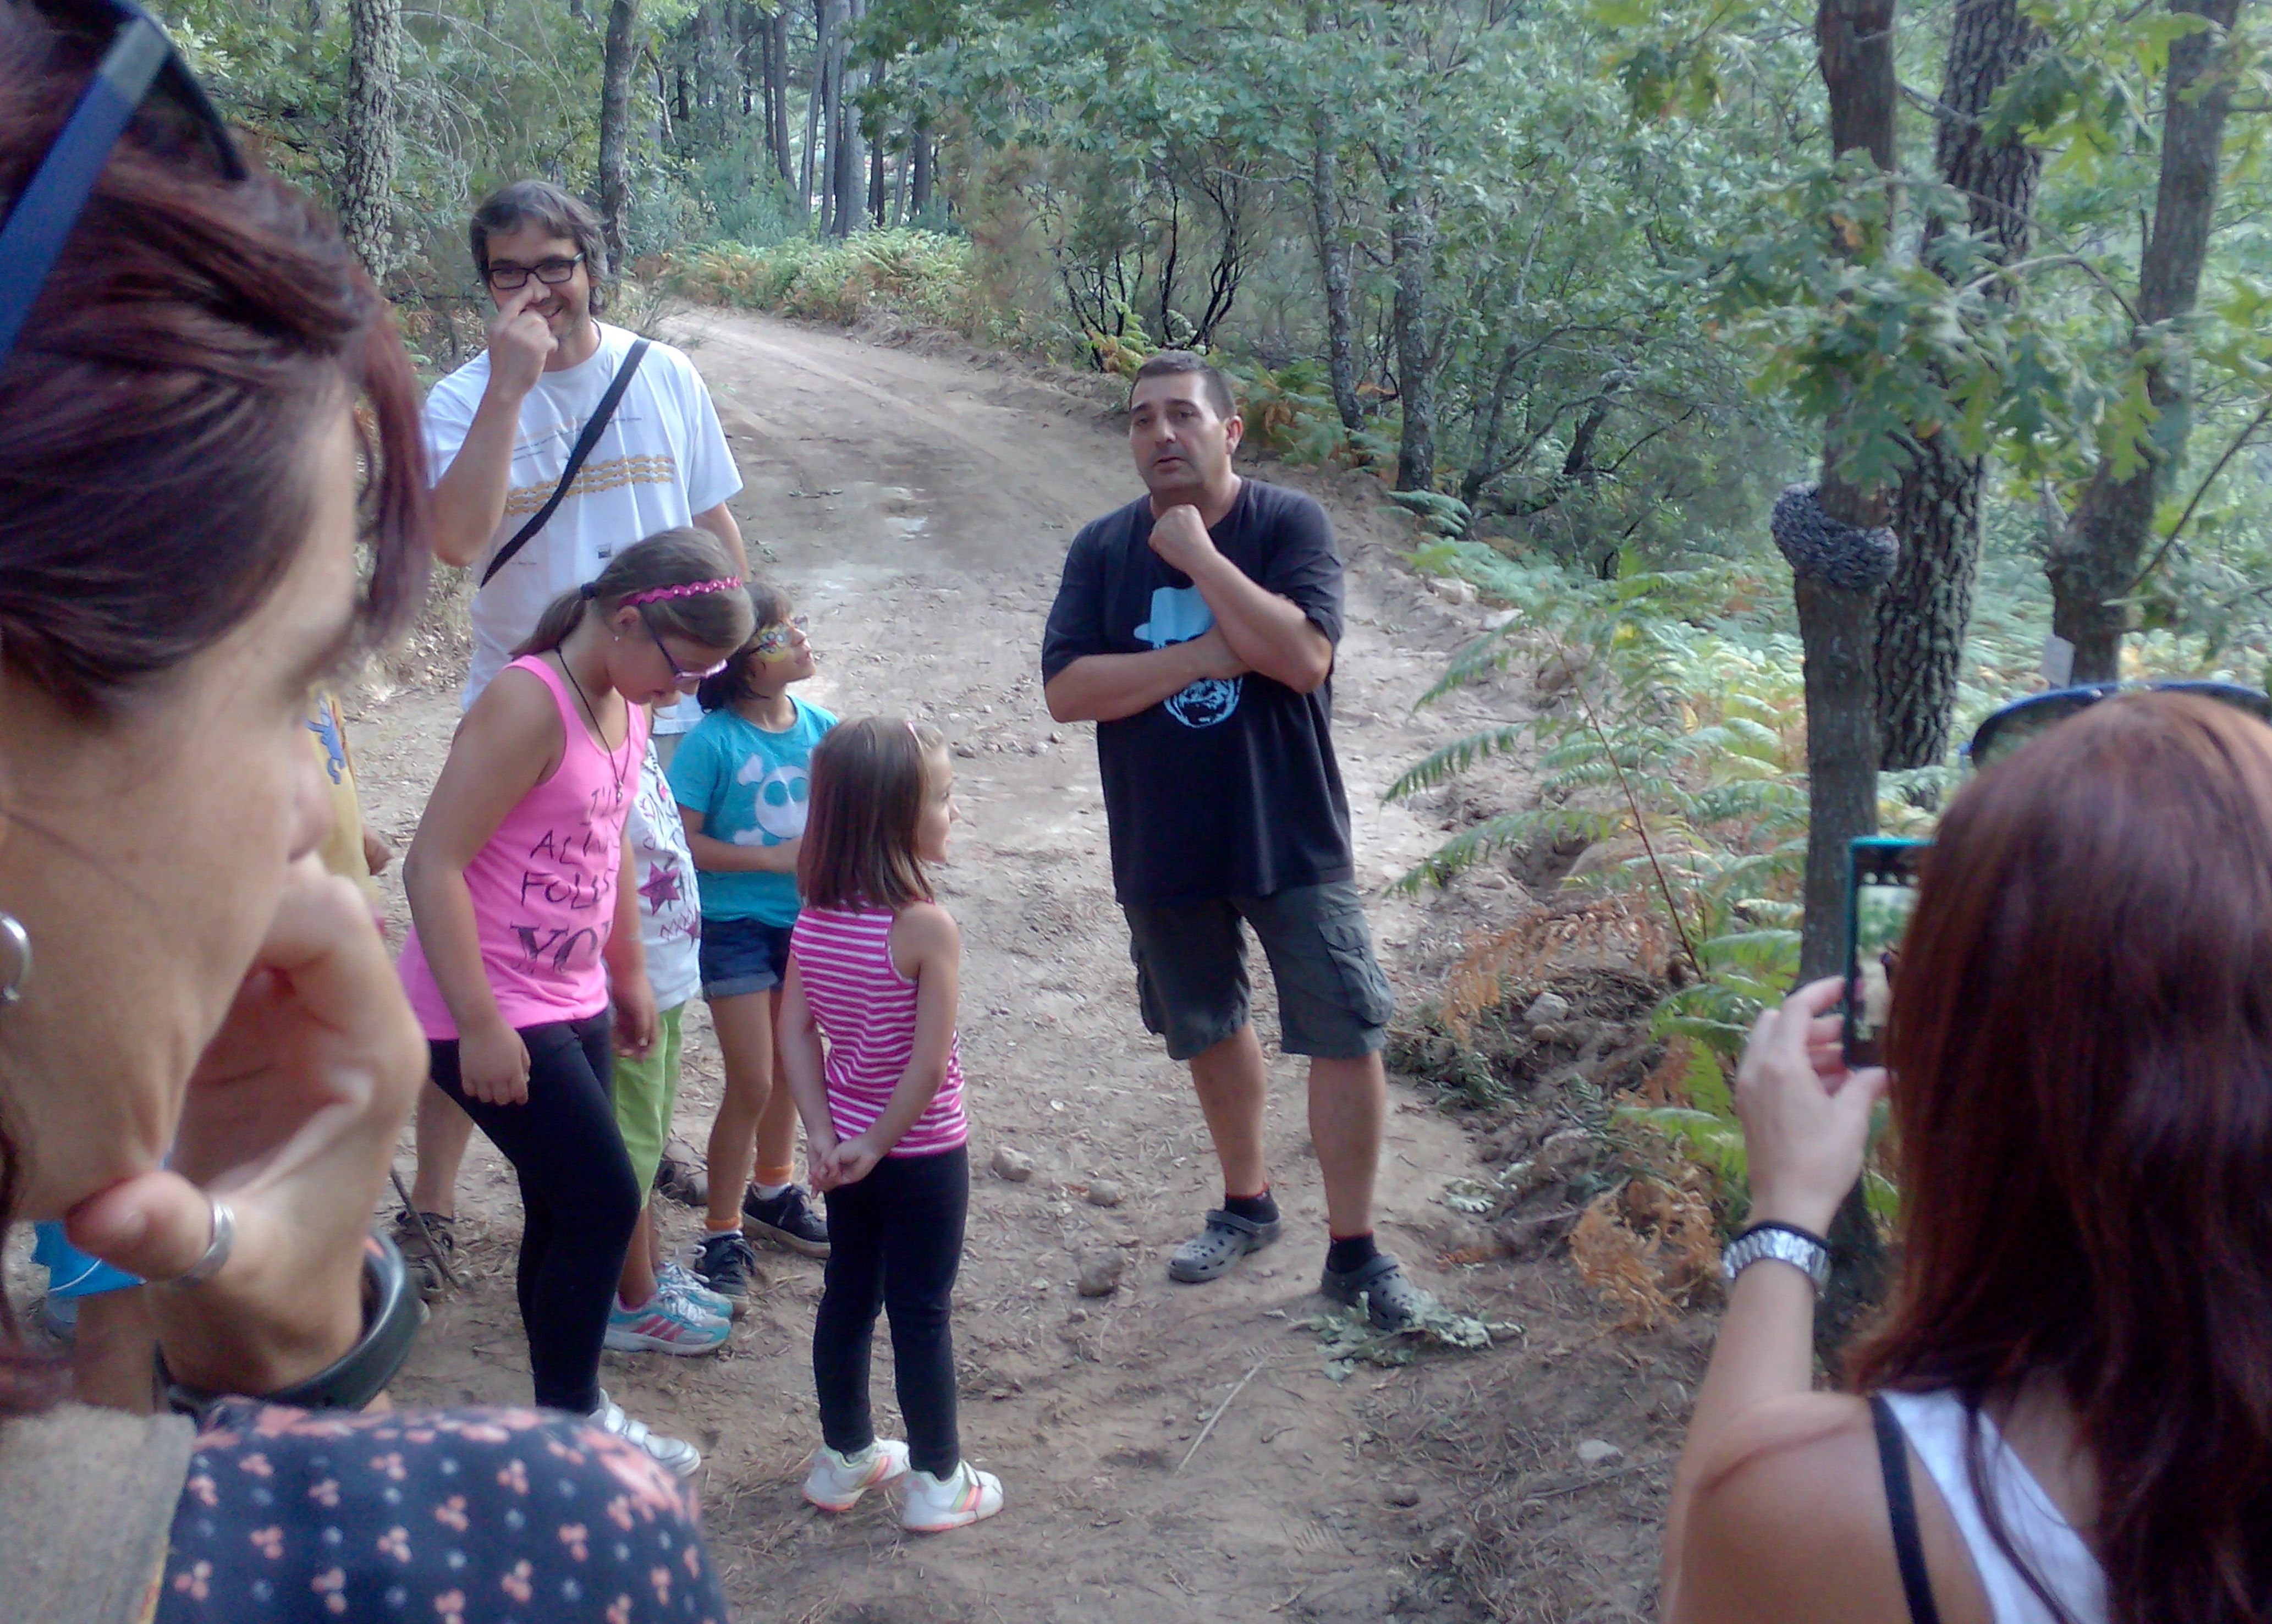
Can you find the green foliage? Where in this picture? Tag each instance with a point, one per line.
(920, 276)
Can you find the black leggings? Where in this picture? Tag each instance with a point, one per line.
(578, 1197)
(894, 1242)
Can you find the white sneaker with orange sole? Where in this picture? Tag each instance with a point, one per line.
(965, 1495)
(837, 1481)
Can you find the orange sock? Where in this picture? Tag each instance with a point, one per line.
(773, 1178)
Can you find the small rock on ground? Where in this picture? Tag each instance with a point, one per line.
(1404, 1494)
(1100, 1274)
(1545, 1007)
(1598, 1452)
(1014, 1166)
(1104, 1193)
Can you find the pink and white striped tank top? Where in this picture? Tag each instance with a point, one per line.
(543, 887)
(866, 1009)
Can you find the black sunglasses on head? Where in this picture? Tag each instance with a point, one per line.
(139, 57)
(2005, 730)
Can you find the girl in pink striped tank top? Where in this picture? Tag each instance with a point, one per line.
(867, 1045)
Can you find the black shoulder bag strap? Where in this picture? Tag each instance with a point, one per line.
(584, 441)
(1900, 1508)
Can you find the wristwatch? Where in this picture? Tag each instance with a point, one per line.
(391, 1314)
(1785, 1243)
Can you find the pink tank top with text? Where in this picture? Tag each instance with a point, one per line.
(543, 886)
(866, 1010)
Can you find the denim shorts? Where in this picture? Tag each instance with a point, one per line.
(1333, 1002)
(743, 955)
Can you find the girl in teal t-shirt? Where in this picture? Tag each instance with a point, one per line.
(740, 780)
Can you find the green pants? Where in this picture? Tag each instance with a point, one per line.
(646, 1091)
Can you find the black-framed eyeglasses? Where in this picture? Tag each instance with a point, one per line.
(2005, 730)
(510, 278)
(687, 681)
(139, 58)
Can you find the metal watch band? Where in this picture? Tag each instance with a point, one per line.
(1782, 1243)
(392, 1313)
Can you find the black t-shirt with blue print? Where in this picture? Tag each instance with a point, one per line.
(1227, 788)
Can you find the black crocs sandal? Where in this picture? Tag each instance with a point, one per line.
(1392, 1302)
(1226, 1238)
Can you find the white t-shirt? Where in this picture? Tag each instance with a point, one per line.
(662, 459)
(671, 909)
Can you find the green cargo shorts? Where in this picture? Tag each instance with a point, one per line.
(1333, 1002)
(646, 1092)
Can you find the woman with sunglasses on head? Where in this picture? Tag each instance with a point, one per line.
(212, 497)
(526, 928)
(2064, 1413)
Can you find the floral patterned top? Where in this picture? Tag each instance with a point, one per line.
(463, 1516)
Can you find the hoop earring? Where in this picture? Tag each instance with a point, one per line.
(18, 942)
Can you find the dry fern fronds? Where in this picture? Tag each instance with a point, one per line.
(1645, 1248)
(1667, 1082)
(1605, 924)
(1614, 1262)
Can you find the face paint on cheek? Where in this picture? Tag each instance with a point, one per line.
(773, 645)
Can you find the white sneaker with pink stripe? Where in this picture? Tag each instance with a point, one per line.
(965, 1495)
(837, 1481)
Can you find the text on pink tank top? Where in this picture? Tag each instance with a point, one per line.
(543, 886)
(866, 1010)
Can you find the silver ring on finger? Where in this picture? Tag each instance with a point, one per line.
(217, 1251)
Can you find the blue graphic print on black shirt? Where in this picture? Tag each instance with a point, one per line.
(1227, 788)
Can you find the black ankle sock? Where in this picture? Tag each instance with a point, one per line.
(1254, 1209)
(1349, 1252)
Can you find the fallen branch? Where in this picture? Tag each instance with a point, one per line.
(1217, 1416)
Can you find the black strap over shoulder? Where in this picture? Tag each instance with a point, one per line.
(583, 449)
(1900, 1508)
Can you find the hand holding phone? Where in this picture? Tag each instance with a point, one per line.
(1881, 896)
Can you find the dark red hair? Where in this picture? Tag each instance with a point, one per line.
(156, 414)
(157, 418)
(2082, 1052)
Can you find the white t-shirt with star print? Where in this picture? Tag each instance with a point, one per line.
(670, 908)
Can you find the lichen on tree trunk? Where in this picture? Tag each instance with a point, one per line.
(367, 132)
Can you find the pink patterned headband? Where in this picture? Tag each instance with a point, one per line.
(692, 590)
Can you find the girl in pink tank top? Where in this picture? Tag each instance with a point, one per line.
(524, 958)
(873, 974)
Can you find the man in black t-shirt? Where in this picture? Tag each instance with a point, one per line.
(1196, 627)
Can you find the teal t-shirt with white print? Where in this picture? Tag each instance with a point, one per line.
(751, 788)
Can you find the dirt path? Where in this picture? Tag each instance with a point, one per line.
(918, 508)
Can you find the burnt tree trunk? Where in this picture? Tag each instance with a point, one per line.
(1927, 607)
(619, 56)
(919, 188)
(1838, 628)
(2094, 563)
(368, 132)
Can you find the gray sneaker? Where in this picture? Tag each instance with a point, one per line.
(430, 1273)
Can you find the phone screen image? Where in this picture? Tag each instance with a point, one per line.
(1881, 896)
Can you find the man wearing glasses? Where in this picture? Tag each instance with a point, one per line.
(501, 430)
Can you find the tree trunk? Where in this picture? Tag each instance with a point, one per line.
(850, 162)
(368, 136)
(815, 104)
(1927, 606)
(919, 188)
(900, 189)
(1412, 246)
(1837, 629)
(777, 92)
(618, 57)
(2094, 563)
(1333, 269)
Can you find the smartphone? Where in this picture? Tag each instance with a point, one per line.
(1881, 877)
